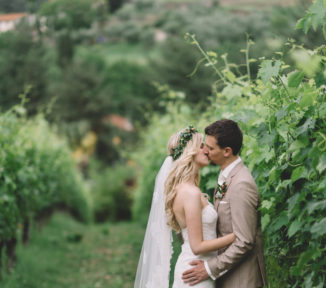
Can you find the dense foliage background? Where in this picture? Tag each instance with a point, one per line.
(38, 176)
(282, 114)
(107, 82)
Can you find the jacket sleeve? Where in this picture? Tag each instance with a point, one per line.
(243, 205)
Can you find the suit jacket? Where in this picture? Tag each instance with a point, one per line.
(241, 264)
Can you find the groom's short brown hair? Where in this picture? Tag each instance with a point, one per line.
(227, 134)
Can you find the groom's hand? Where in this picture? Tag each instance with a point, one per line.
(195, 275)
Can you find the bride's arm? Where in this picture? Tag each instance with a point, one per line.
(193, 214)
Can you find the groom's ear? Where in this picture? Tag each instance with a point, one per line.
(228, 152)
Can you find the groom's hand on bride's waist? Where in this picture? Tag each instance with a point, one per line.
(195, 275)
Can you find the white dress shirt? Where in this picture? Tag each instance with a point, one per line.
(222, 178)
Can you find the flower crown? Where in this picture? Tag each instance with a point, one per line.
(184, 138)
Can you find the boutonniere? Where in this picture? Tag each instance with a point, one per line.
(221, 190)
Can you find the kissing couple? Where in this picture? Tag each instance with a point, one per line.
(222, 243)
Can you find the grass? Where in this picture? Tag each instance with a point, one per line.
(69, 254)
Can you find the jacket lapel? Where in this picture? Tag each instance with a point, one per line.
(228, 181)
(216, 201)
(234, 172)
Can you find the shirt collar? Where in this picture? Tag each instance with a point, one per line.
(225, 173)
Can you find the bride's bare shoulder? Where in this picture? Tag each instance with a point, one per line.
(189, 190)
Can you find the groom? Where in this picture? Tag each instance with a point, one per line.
(241, 265)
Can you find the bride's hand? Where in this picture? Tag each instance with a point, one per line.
(232, 237)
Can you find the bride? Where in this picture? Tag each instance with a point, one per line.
(178, 204)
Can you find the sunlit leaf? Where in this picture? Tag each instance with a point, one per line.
(268, 69)
(267, 204)
(297, 145)
(299, 172)
(308, 125)
(295, 78)
(306, 62)
(318, 13)
(308, 99)
(319, 228)
(322, 163)
(292, 201)
(279, 222)
(294, 227)
(265, 220)
(232, 91)
(321, 205)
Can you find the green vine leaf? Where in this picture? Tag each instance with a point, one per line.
(279, 222)
(299, 172)
(308, 98)
(294, 227)
(318, 13)
(321, 164)
(265, 220)
(308, 125)
(316, 16)
(268, 70)
(267, 203)
(295, 78)
(319, 228)
(321, 205)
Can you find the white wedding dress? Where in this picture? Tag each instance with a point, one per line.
(153, 268)
(209, 219)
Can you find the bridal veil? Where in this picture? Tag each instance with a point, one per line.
(154, 263)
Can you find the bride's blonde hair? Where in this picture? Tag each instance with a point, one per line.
(183, 170)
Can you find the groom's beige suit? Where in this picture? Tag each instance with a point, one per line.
(241, 265)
